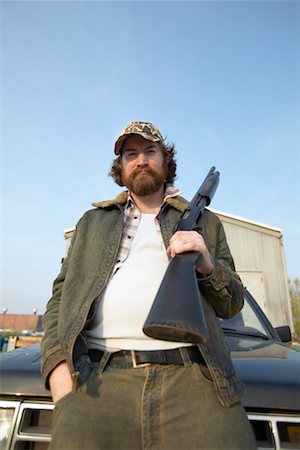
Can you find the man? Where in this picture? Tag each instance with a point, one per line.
(113, 386)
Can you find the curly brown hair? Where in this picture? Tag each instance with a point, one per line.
(168, 151)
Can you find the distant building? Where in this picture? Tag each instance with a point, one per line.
(258, 253)
(30, 322)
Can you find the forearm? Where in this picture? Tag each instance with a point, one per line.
(223, 289)
(218, 280)
(52, 353)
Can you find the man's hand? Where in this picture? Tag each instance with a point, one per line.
(60, 381)
(191, 241)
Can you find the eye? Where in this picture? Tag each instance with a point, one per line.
(151, 151)
(130, 154)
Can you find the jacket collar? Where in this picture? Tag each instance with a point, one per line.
(176, 202)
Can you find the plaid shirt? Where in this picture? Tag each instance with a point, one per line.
(132, 218)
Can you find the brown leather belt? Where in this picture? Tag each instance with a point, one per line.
(141, 358)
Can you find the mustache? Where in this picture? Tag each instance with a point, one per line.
(143, 169)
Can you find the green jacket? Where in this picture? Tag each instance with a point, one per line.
(85, 272)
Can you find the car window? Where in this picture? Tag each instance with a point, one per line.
(246, 321)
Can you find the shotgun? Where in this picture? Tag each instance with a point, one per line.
(177, 311)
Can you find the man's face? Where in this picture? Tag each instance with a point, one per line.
(143, 165)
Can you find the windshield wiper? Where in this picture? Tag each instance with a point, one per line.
(246, 331)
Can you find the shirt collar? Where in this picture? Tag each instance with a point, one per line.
(170, 191)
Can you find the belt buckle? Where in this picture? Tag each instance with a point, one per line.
(135, 364)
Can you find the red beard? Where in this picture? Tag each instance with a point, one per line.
(144, 181)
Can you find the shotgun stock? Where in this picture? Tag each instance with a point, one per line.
(177, 311)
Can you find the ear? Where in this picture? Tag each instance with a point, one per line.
(167, 158)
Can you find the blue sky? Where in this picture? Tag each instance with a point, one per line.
(220, 79)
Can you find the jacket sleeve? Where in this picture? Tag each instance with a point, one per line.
(223, 289)
(52, 353)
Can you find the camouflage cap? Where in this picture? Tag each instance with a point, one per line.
(145, 129)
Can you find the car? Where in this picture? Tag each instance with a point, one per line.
(265, 359)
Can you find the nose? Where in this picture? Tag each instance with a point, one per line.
(141, 159)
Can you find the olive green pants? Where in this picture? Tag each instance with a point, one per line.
(157, 407)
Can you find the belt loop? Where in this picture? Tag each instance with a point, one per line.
(185, 356)
(103, 362)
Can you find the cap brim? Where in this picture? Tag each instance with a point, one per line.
(121, 139)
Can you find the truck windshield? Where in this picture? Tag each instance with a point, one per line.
(246, 322)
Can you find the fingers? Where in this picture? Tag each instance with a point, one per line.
(186, 241)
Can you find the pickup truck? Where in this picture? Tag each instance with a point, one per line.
(265, 359)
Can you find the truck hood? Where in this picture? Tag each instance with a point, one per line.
(270, 371)
(20, 373)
